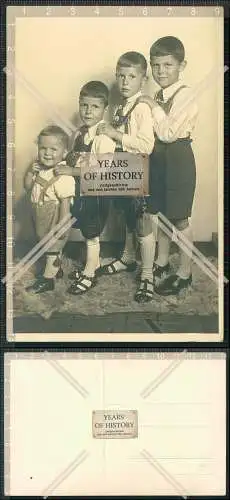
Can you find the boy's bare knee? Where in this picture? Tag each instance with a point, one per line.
(181, 224)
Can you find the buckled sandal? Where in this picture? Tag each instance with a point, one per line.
(77, 274)
(82, 285)
(173, 285)
(109, 269)
(145, 291)
(41, 285)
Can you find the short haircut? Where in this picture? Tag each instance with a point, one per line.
(95, 89)
(168, 46)
(55, 131)
(132, 59)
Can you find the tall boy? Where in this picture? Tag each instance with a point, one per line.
(173, 170)
(132, 131)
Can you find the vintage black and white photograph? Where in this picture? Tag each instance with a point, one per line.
(128, 246)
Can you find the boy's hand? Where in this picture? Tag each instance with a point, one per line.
(60, 170)
(35, 168)
(71, 158)
(106, 129)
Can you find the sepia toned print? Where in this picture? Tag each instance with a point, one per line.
(102, 263)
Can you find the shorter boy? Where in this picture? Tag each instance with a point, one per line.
(50, 197)
(132, 130)
(92, 211)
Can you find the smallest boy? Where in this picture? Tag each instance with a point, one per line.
(92, 211)
(50, 198)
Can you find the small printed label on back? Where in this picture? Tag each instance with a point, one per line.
(115, 424)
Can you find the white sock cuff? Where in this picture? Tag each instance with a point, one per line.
(154, 218)
(143, 239)
(93, 241)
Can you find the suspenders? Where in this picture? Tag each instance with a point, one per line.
(166, 106)
(123, 119)
(44, 186)
(140, 202)
(119, 119)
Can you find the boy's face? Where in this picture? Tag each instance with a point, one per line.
(166, 70)
(129, 80)
(51, 150)
(91, 110)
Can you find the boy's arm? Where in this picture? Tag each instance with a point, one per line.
(28, 181)
(141, 136)
(141, 139)
(70, 171)
(69, 166)
(65, 191)
(64, 207)
(30, 176)
(64, 210)
(103, 144)
(181, 118)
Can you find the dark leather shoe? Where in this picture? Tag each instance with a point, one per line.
(75, 275)
(173, 285)
(82, 285)
(110, 269)
(41, 285)
(160, 273)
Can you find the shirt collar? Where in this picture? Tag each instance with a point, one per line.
(133, 98)
(169, 91)
(92, 131)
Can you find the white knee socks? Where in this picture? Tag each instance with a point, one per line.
(92, 256)
(50, 270)
(147, 251)
(185, 266)
(129, 252)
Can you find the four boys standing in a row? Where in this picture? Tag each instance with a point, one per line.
(161, 128)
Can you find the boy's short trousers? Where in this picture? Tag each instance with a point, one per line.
(91, 215)
(172, 179)
(45, 217)
(127, 205)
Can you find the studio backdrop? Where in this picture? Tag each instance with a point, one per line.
(58, 55)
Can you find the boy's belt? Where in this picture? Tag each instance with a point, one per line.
(187, 140)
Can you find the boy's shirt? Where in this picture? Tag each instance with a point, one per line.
(180, 121)
(63, 187)
(140, 137)
(101, 144)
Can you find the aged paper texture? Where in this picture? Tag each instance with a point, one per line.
(180, 399)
